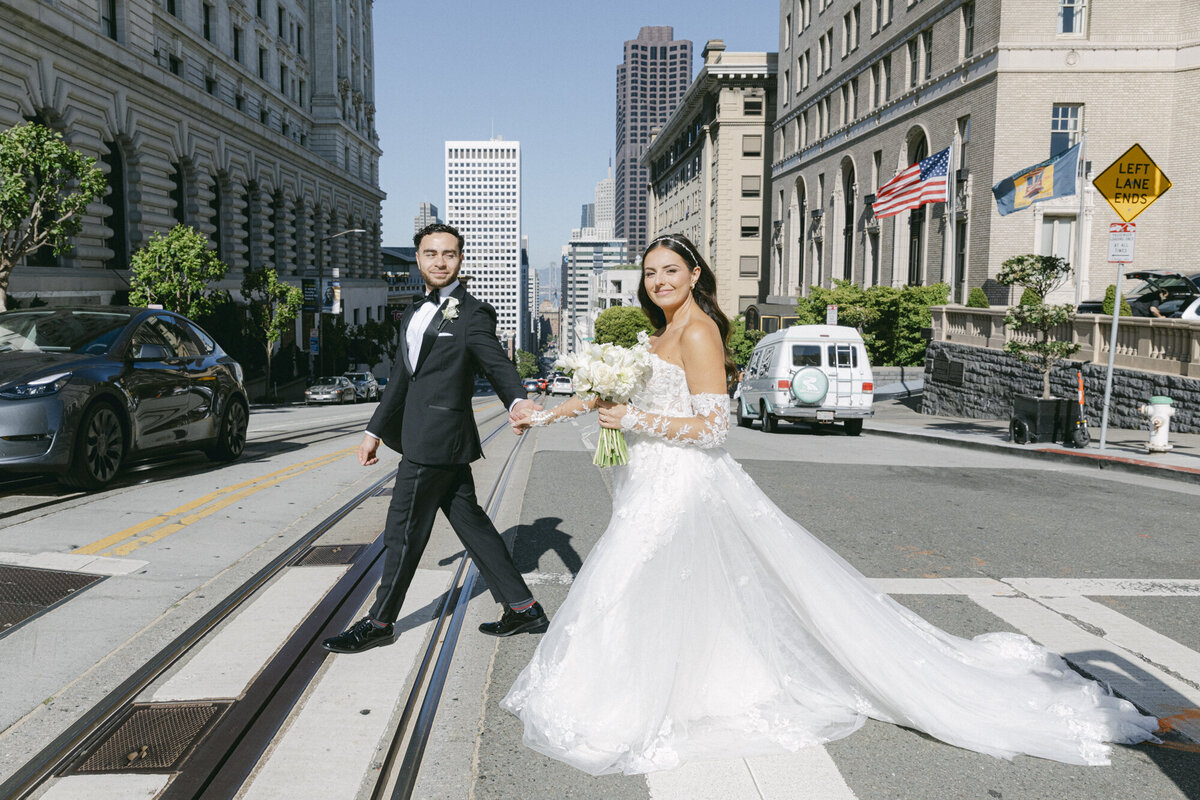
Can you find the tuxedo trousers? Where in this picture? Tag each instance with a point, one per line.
(420, 490)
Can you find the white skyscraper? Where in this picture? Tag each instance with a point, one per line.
(605, 191)
(483, 201)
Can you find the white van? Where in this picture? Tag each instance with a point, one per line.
(817, 373)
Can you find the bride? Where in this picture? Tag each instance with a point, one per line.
(707, 624)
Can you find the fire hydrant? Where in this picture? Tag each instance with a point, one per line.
(1159, 411)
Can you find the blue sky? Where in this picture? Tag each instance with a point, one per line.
(542, 72)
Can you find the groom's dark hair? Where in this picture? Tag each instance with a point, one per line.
(438, 227)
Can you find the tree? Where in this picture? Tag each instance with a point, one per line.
(621, 325)
(374, 341)
(44, 187)
(1040, 275)
(176, 271)
(741, 341)
(1110, 302)
(527, 364)
(273, 308)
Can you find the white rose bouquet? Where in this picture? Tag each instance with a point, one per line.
(612, 373)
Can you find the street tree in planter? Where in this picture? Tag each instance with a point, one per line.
(1037, 418)
(44, 188)
(176, 271)
(272, 312)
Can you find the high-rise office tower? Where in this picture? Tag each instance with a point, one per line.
(483, 201)
(602, 219)
(657, 70)
(587, 215)
(426, 215)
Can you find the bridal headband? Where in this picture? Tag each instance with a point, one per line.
(670, 237)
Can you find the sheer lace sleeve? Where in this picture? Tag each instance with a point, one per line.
(573, 407)
(708, 428)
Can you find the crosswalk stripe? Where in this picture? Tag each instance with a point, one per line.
(228, 661)
(1158, 692)
(347, 713)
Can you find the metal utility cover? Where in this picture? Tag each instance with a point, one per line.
(155, 737)
(327, 554)
(26, 592)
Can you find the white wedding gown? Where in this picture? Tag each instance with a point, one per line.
(707, 624)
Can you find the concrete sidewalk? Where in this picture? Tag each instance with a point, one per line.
(1125, 449)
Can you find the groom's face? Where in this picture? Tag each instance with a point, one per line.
(439, 259)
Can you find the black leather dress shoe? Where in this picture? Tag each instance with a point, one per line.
(531, 620)
(362, 635)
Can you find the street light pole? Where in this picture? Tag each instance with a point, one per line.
(321, 296)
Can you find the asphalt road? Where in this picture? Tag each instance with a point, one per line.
(897, 510)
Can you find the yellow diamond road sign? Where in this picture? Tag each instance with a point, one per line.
(1132, 183)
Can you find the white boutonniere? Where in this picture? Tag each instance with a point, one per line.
(449, 311)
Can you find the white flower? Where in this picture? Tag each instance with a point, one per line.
(450, 311)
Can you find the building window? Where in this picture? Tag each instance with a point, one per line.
(805, 13)
(283, 79)
(964, 136)
(279, 17)
(750, 227)
(1064, 127)
(927, 52)
(748, 266)
(968, 32)
(1057, 236)
(174, 65)
(172, 9)
(914, 63)
(752, 145)
(210, 84)
(787, 31)
(237, 44)
(178, 194)
(206, 16)
(1072, 17)
(300, 39)
(751, 186)
(260, 9)
(787, 82)
(262, 63)
(752, 106)
(108, 18)
(850, 31)
(239, 102)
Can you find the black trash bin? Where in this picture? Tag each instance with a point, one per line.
(1036, 419)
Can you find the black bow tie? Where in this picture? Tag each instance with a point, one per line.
(434, 297)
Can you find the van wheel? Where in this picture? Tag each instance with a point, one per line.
(853, 426)
(743, 420)
(770, 424)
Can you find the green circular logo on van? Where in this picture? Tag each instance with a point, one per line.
(809, 385)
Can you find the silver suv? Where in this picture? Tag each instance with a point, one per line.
(365, 385)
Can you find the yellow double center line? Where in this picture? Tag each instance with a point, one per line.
(122, 543)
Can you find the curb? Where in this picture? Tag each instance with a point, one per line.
(1114, 463)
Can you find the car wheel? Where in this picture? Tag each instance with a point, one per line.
(99, 449)
(770, 424)
(231, 438)
(853, 426)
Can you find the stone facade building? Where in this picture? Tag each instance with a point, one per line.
(709, 171)
(868, 87)
(249, 120)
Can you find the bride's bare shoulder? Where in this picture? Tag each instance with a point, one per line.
(701, 332)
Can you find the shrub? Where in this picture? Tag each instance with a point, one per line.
(977, 298)
(1029, 297)
(1110, 296)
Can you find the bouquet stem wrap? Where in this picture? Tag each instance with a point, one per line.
(612, 450)
(614, 374)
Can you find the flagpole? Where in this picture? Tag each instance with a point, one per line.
(1080, 183)
(951, 221)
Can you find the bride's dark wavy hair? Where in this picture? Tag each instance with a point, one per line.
(704, 292)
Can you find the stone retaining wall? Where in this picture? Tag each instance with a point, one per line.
(990, 379)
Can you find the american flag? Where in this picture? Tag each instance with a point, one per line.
(923, 182)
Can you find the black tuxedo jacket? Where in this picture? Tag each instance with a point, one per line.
(426, 410)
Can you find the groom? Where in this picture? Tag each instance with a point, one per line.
(426, 415)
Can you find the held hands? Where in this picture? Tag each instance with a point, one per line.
(611, 414)
(521, 414)
(366, 450)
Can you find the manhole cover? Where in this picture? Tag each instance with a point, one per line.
(26, 592)
(154, 737)
(325, 555)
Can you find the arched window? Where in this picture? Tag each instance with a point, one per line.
(848, 196)
(215, 206)
(179, 193)
(250, 228)
(117, 201)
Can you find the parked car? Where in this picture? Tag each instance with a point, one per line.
(366, 387)
(1183, 295)
(331, 389)
(811, 373)
(532, 385)
(561, 385)
(86, 390)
